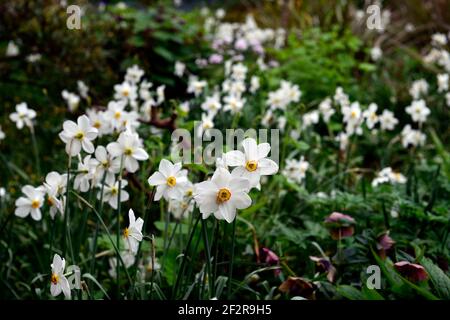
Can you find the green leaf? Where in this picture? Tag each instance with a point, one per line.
(441, 282)
(350, 292)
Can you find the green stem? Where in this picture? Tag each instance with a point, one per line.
(107, 232)
(208, 258)
(183, 262)
(119, 207)
(97, 227)
(230, 273)
(35, 150)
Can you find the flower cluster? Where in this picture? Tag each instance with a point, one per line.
(226, 191)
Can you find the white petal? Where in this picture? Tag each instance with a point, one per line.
(114, 149)
(36, 214)
(84, 123)
(250, 148)
(88, 146)
(267, 167)
(131, 164)
(140, 154)
(241, 200)
(55, 289)
(156, 179)
(239, 185)
(160, 191)
(234, 158)
(221, 177)
(65, 286)
(70, 127)
(22, 211)
(166, 167)
(227, 211)
(73, 148)
(263, 150)
(131, 217)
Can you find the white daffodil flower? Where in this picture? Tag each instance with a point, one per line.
(253, 162)
(387, 120)
(134, 74)
(86, 171)
(23, 116)
(418, 111)
(111, 193)
(78, 135)
(104, 163)
(371, 115)
(133, 234)
(55, 186)
(71, 99)
(125, 91)
(59, 282)
(57, 182)
(180, 67)
(31, 203)
(295, 170)
(222, 195)
(170, 180)
(129, 147)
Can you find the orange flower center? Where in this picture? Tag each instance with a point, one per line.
(171, 181)
(223, 195)
(251, 165)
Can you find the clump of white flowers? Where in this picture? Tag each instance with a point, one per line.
(225, 192)
(295, 170)
(387, 175)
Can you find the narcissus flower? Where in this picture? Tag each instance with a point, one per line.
(371, 115)
(253, 162)
(31, 203)
(71, 99)
(23, 116)
(411, 271)
(222, 195)
(418, 111)
(179, 68)
(134, 74)
(340, 225)
(129, 146)
(59, 282)
(133, 233)
(111, 193)
(295, 170)
(86, 170)
(387, 120)
(170, 180)
(104, 164)
(78, 135)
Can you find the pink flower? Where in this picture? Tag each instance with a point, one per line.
(411, 271)
(241, 44)
(324, 265)
(215, 58)
(385, 243)
(340, 225)
(270, 258)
